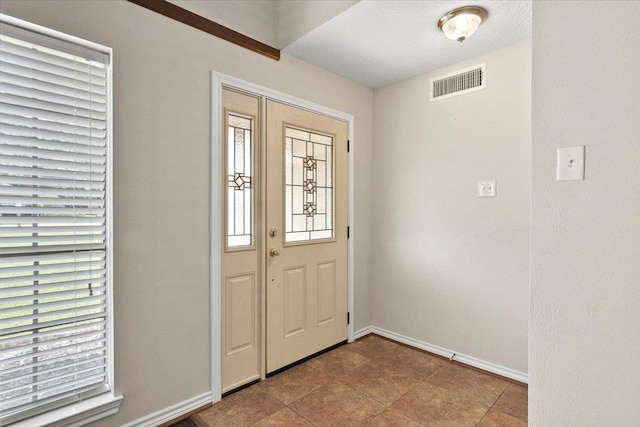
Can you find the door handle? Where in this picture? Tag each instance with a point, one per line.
(274, 252)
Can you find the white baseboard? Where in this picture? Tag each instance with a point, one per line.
(362, 332)
(172, 412)
(458, 357)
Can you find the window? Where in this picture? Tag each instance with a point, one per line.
(239, 174)
(309, 185)
(55, 221)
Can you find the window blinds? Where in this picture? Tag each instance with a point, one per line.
(53, 222)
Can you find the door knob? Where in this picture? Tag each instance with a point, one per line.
(274, 252)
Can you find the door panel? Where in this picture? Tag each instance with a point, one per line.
(241, 313)
(241, 333)
(306, 205)
(295, 289)
(326, 293)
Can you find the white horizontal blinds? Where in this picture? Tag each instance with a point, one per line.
(53, 228)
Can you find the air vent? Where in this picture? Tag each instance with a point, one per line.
(458, 83)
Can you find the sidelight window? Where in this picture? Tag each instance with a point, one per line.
(239, 181)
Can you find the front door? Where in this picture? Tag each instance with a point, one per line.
(305, 233)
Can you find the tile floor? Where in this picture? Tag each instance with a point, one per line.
(373, 382)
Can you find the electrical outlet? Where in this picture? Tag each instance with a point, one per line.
(487, 188)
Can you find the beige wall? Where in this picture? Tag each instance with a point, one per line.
(585, 246)
(161, 160)
(451, 269)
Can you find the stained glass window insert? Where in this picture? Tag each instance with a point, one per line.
(239, 181)
(309, 207)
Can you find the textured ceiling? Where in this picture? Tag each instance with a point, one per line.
(379, 42)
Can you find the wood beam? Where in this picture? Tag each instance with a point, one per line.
(191, 19)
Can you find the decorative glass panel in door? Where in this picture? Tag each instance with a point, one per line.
(239, 174)
(309, 194)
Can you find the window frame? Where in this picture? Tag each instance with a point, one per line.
(107, 402)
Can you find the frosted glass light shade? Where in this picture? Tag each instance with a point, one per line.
(461, 23)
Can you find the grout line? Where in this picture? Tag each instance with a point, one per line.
(304, 395)
(491, 407)
(302, 416)
(404, 415)
(505, 389)
(404, 394)
(480, 420)
(435, 372)
(502, 412)
(457, 393)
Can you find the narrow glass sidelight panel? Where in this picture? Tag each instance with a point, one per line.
(308, 186)
(239, 181)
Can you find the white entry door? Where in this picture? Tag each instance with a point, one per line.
(305, 233)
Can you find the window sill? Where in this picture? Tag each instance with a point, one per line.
(76, 414)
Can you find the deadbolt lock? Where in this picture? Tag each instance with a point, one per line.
(273, 232)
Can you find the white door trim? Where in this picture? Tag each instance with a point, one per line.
(217, 81)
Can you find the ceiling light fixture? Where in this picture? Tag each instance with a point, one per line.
(461, 23)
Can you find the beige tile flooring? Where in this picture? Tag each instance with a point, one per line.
(374, 382)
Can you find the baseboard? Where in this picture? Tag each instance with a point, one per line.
(362, 332)
(458, 357)
(171, 413)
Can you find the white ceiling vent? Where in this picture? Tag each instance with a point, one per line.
(458, 83)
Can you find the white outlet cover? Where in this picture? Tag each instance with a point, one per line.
(487, 188)
(570, 164)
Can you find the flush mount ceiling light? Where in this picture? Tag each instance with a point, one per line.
(461, 23)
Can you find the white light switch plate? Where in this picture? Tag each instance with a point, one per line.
(487, 188)
(570, 164)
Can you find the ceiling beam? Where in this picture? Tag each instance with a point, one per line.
(191, 19)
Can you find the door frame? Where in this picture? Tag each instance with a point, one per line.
(219, 80)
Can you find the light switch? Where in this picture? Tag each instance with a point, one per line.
(487, 188)
(570, 164)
